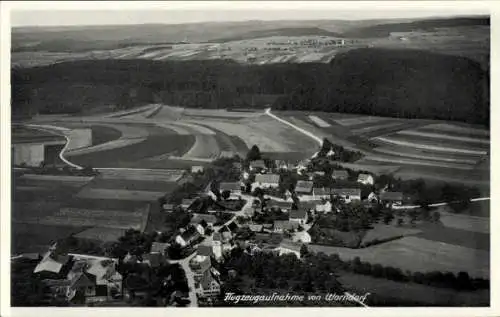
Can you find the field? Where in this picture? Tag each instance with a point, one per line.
(392, 291)
(418, 254)
(381, 232)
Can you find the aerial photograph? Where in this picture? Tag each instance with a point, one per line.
(250, 159)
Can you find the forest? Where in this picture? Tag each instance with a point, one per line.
(382, 82)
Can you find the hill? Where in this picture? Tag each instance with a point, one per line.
(305, 31)
(384, 30)
(401, 83)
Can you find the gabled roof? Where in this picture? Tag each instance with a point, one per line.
(83, 279)
(233, 226)
(255, 227)
(290, 245)
(230, 186)
(340, 174)
(154, 259)
(190, 234)
(199, 217)
(304, 187)
(158, 247)
(258, 164)
(51, 262)
(205, 250)
(187, 202)
(391, 196)
(322, 191)
(272, 238)
(364, 177)
(267, 178)
(347, 191)
(279, 204)
(300, 213)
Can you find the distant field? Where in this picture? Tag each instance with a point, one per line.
(105, 204)
(101, 234)
(103, 134)
(134, 185)
(422, 294)
(382, 232)
(465, 222)
(134, 195)
(461, 237)
(36, 237)
(417, 254)
(143, 175)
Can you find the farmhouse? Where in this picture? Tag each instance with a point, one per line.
(301, 237)
(154, 260)
(53, 262)
(322, 192)
(365, 179)
(196, 169)
(289, 247)
(188, 237)
(391, 198)
(257, 165)
(281, 165)
(233, 187)
(298, 216)
(267, 180)
(208, 286)
(284, 206)
(348, 194)
(237, 166)
(209, 219)
(199, 266)
(304, 189)
(340, 174)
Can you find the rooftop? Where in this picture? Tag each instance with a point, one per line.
(391, 196)
(267, 178)
(347, 191)
(304, 187)
(290, 245)
(298, 213)
(230, 186)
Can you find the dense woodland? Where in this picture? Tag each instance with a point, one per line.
(400, 83)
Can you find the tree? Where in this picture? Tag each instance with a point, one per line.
(400, 222)
(436, 216)
(388, 216)
(304, 251)
(254, 153)
(226, 194)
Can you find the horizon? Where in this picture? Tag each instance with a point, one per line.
(49, 19)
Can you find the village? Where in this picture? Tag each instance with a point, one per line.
(260, 205)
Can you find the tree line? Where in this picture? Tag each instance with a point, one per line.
(384, 82)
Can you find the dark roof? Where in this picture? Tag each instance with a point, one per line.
(279, 204)
(230, 186)
(154, 259)
(233, 226)
(207, 279)
(347, 191)
(298, 213)
(340, 174)
(205, 250)
(304, 187)
(217, 236)
(258, 163)
(271, 238)
(83, 279)
(267, 178)
(391, 196)
(199, 217)
(190, 234)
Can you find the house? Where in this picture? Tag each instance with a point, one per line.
(199, 265)
(187, 237)
(154, 260)
(257, 165)
(233, 187)
(391, 198)
(89, 279)
(319, 173)
(340, 174)
(187, 203)
(280, 226)
(322, 192)
(302, 166)
(255, 227)
(227, 154)
(303, 189)
(348, 194)
(289, 247)
(205, 250)
(284, 206)
(273, 238)
(281, 165)
(237, 166)
(372, 198)
(365, 179)
(53, 262)
(209, 219)
(196, 169)
(299, 216)
(168, 207)
(267, 180)
(324, 207)
(217, 245)
(201, 227)
(208, 285)
(158, 247)
(301, 237)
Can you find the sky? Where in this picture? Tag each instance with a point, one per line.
(172, 14)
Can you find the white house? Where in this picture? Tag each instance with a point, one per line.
(196, 169)
(303, 189)
(267, 180)
(365, 179)
(301, 237)
(289, 247)
(325, 207)
(348, 194)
